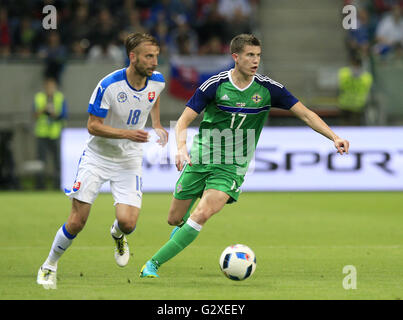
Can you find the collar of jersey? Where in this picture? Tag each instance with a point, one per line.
(125, 76)
(232, 82)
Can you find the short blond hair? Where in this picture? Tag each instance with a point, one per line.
(133, 40)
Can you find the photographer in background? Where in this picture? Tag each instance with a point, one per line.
(50, 114)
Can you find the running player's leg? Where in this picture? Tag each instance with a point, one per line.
(78, 217)
(88, 181)
(188, 189)
(126, 219)
(126, 190)
(211, 202)
(179, 213)
(125, 224)
(62, 241)
(65, 235)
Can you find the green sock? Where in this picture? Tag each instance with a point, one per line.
(179, 241)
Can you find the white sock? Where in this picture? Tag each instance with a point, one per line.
(62, 241)
(194, 224)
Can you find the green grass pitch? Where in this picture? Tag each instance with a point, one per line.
(302, 242)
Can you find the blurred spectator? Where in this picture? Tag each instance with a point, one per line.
(389, 33)
(133, 23)
(169, 10)
(5, 36)
(8, 177)
(161, 33)
(183, 45)
(54, 54)
(360, 39)
(105, 39)
(78, 31)
(232, 8)
(184, 38)
(106, 52)
(213, 46)
(211, 24)
(24, 38)
(204, 7)
(78, 49)
(50, 110)
(161, 11)
(382, 6)
(104, 30)
(354, 89)
(187, 8)
(237, 16)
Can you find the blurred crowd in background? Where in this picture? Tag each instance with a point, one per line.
(96, 29)
(378, 36)
(379, 28)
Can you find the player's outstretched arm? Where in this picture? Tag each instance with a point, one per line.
(96, 127)
(183, 123)
(317, 124)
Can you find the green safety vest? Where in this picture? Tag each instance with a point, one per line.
(354, 91)
(46, 127)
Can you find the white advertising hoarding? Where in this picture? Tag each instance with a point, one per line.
(286, 159)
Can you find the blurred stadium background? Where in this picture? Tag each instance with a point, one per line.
(304, 47)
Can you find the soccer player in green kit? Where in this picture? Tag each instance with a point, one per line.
(236, 105)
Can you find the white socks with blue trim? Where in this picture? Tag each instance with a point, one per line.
(62, 241)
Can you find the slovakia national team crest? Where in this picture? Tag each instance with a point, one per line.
(151, 96)
(76, 186)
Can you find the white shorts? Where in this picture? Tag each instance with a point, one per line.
(93, 171)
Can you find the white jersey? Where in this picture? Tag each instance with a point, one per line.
(123, 107)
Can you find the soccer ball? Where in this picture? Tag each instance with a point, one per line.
(238, 262)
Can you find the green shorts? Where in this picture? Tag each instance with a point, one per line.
(199, 177)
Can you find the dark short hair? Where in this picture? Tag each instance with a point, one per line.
(135, 39)
(241, 40)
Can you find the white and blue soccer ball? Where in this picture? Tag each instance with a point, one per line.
(238, 262)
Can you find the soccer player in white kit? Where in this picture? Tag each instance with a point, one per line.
(118, 111)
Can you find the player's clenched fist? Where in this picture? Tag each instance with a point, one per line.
(341, 145)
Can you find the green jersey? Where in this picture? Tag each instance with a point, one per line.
(233, 118)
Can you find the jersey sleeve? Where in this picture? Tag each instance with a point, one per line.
(281, 97)
(201, 99)
(99, 102)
